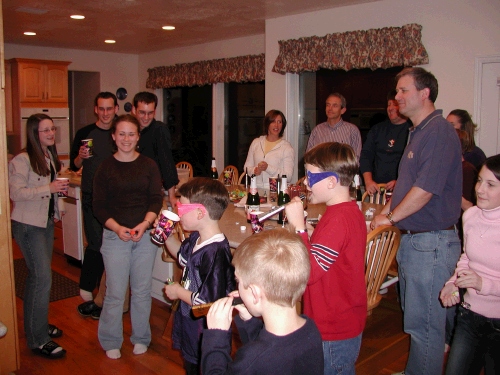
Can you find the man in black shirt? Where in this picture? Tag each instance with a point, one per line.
(155, 141)
(106, 107)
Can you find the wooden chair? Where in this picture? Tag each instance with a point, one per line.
(185, 165)
(242, 176)
(378, 198)
(300, 181)
(234, 178)
(381, 247)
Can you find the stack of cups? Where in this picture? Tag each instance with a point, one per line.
(273, 189)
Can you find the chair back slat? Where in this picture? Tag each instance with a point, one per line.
(381, 247)
(377, 198)
(185, 165)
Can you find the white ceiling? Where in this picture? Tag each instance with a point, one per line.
(136, 24)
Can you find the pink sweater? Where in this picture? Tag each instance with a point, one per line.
(482, 255)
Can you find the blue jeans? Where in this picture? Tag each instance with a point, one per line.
(426, 261)
(340, 356)
(124, 260)
(36, 244)
(476, 343)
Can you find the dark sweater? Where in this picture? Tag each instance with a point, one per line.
(298, 353)
(383, 149)
(102, 149)
(126, 191)
(155, 144)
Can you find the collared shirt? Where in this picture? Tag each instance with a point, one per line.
(342, 132)
(431, 161)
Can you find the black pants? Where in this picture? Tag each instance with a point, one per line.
(93, 266)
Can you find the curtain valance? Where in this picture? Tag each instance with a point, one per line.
(250, 68)
(374, 48)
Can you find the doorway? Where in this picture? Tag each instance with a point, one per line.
(83, 88)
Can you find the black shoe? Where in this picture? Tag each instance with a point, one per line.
(96, 314)
(86, 308)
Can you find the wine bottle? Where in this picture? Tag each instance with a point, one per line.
(283, 198)
(214, 173)
(359, 196)
(253, 199)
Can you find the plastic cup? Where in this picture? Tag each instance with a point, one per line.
(65, 192)
(273, 189)
(228, 177)
(257, 226)
(89, 143)
(165, 227)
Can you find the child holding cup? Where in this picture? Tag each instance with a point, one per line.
(206, 259)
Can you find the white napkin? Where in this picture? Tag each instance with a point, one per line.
(243, 201)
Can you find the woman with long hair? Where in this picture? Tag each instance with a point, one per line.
(33, 191)
(270, 155)
(476, 342)
(461, 120)
(127, 198)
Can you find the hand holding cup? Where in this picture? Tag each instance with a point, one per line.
(165, 227)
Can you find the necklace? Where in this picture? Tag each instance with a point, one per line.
(483, 233)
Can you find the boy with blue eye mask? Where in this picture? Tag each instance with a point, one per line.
(335, 296)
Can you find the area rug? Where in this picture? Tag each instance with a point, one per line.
(62, 287)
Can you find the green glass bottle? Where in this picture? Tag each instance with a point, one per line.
(214, 173)
(253, 199)
(283, 198)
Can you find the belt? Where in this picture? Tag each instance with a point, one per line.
(407, 231)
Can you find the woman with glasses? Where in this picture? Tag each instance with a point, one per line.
(33, 191)
(476, 342)
(127, 197)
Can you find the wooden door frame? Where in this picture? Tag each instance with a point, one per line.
(9, 344)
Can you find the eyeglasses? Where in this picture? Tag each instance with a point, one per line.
(48, 130)
(314, 178)
(183, 209)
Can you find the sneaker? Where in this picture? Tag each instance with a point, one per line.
(96, 314)
(85, 309)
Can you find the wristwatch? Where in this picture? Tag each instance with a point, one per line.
(389, 217)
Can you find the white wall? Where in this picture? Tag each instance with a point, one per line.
(454, 33)
(116, 69)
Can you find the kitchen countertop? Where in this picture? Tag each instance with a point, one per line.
(74, 178)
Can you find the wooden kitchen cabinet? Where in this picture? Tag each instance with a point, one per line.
(40, 83)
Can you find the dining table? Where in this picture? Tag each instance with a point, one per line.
(233, 222)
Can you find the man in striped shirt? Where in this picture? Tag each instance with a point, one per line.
(335, 129)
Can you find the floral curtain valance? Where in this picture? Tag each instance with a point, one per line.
(374, 48)
(250, 68)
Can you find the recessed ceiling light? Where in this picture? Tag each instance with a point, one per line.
(110, 41)
(30, 33)
(77, 17)
(168, 27)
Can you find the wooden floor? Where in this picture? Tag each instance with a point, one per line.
(384, 349)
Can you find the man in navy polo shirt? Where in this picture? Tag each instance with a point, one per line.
(425, 206)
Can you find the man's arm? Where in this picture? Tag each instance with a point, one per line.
(411, 203)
